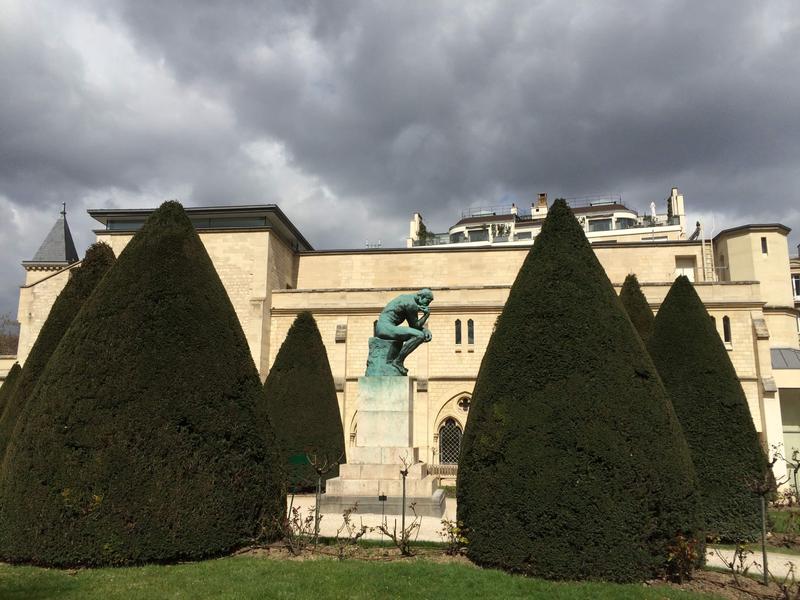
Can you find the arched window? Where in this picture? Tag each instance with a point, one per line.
(375, 328)
(458, 331)
(470, 332)
(714, 322)
(449, 442)
(726, 329)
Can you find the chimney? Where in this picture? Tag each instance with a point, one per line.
(540, 208)
(414, 230)
(676, 211)
(676, 202)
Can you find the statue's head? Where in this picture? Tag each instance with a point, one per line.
(424, 297)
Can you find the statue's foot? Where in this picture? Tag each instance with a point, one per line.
(399, 367)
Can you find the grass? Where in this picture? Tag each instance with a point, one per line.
(784, 521)
(242, 577)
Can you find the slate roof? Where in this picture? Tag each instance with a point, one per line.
(58, 246)
(785, 358)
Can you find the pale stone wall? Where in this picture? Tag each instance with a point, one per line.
(742, 253)
(35, 301)
(268, 284)
(450, 369)
(281, 274)
(432, 266)
(6, 362)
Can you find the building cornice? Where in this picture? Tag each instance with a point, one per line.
(486, 287)
(284, 226)
(494, 248)
(442, 308)
(58, 272)
(130, 232)
(755, 227)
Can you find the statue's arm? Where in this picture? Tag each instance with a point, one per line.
(411, 316)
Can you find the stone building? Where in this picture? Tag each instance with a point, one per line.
(271, 273)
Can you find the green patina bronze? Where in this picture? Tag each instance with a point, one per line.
(393, 341)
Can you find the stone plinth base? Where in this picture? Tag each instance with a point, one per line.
(388, 455)
(432, 506)
(383, 443)
(369, 480)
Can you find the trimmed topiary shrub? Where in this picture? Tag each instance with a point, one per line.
(637, 307)
(302, 404)
(145, 439)
(82, 281)
(573, 465)
(8, 385)
(713, 410)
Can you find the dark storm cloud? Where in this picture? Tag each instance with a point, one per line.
(353, 115)
(440, 103)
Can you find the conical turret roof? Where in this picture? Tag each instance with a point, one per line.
(57, 247)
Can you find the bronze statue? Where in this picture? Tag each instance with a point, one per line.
(387, 358)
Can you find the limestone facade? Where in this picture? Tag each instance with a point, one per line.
(743, 277)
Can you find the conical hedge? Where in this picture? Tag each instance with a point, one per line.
(637, 307)
(82, 281)
(713, 411)
(143, 440)
(573, 465)
(7, 388)
(302, 404)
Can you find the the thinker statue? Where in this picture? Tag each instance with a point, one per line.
(393, 341)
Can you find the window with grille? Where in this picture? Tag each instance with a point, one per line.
(449, 442)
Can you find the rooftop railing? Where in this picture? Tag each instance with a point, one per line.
(643, 222)
(599, 200)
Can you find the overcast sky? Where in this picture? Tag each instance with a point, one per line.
(354, 115)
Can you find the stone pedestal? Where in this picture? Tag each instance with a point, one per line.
(383, 440)
(385, 412)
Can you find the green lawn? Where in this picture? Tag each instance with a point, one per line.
(784, 521)
(256, 577)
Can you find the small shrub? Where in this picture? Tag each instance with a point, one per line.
(738, 564)
(452, 533)
(684, 553)
(348, 534)
(298, 531)
(405, 537)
